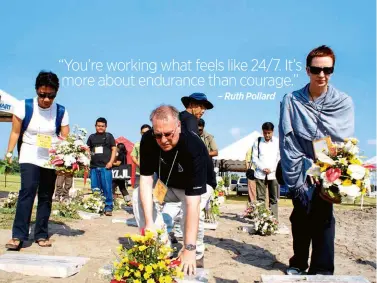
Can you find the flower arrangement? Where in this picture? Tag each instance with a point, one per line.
(66, 209)
(340, 172)
(11, 201)
(71, 154)
(265, 223)
(94, 203)
(146, 261)
(212, 209)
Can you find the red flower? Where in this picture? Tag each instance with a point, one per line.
(142, 231)
(134, 263)
(75, 167)
(174, 263)
(221, 194)
(116, 281)
(57, 162)
(333, 173)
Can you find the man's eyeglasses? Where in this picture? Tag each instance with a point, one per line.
(318, 70)
(159, 136)
(43, 95)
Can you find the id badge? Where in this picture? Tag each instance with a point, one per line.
(322, 146)
(44, 141)
(98, 150)
(159, 192)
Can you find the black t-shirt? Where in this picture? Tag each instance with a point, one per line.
(189, 122)
(100, 157)
(191, 170)
(122, 158)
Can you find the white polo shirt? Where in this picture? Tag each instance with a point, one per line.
(269, 156)
(42, 122)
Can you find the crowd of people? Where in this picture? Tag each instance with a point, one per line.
(175, 176)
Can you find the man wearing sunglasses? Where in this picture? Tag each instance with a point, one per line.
(181, 162)
(316, 111)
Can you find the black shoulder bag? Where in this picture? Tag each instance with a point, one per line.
(250, 172)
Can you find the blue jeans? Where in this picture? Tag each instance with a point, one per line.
(33, 179)
(101, 181)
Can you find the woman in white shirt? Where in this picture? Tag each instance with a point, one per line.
(36, 125)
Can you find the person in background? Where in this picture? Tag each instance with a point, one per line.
(33, 120)
(103, 150)
(135, 154)
(121, 159)
(208, 139)
(315, 111)
(196, 104)
(63, 185)
(266, 156)
(251, 185)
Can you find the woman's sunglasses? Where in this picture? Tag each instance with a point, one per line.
(48, 95)
(318, 70)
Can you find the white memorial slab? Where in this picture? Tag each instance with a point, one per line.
(202, 275)
(313, 279)
(210, 226)
(88, 215)
(42, 265)
(119, 220)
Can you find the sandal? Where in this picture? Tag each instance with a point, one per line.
(44, 243)
(14, 244)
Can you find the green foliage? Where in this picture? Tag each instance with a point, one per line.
(6, 168)
(234, 177)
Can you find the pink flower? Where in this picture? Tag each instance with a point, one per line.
(333, 174)
(52, 151)
(57, 162)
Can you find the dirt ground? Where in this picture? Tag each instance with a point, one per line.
(232, 255)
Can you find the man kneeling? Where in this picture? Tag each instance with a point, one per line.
(181, 162)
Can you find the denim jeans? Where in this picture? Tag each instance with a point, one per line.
(33, 179)
(101, 181)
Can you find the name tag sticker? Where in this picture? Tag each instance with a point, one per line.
(98, 150)
(159, 192)
(44, 141)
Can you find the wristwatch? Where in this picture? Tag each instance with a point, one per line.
(9, 155)
(190, 247)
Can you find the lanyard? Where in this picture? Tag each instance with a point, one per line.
(159, 168)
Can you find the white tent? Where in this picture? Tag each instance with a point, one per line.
(371, 161)
(7, 103)
(232, 157)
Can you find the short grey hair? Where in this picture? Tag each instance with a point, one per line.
(163, 112)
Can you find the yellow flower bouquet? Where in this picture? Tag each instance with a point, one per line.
(146, 261)
(340, 172)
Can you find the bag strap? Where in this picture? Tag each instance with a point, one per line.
(29, 107)
(259, 139)
(251, 158)
(60, 110)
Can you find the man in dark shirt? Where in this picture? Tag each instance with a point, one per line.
(180, 160)
(196, 104)
(103, 152)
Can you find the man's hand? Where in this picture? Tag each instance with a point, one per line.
(188, 261)
(9, 160)
(266, 171)
(109, 165)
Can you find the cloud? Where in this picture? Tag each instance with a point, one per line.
(235, 132)
(372, 142)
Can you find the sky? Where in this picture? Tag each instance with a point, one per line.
(44, 35)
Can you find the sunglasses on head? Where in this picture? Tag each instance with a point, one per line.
(318, 70)
(48, 95)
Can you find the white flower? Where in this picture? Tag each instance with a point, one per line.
(357, 171)
(326, 183)
(338, 182)
(78, 143)
(314, 171)
(69, 160)
(352, 191)
(354, 150)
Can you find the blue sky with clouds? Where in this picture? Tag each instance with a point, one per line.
(38, 34)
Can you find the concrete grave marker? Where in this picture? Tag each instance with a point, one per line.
(210, 226)
(88, 215)
(42, 265)
(202, 275)
(312, 279)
